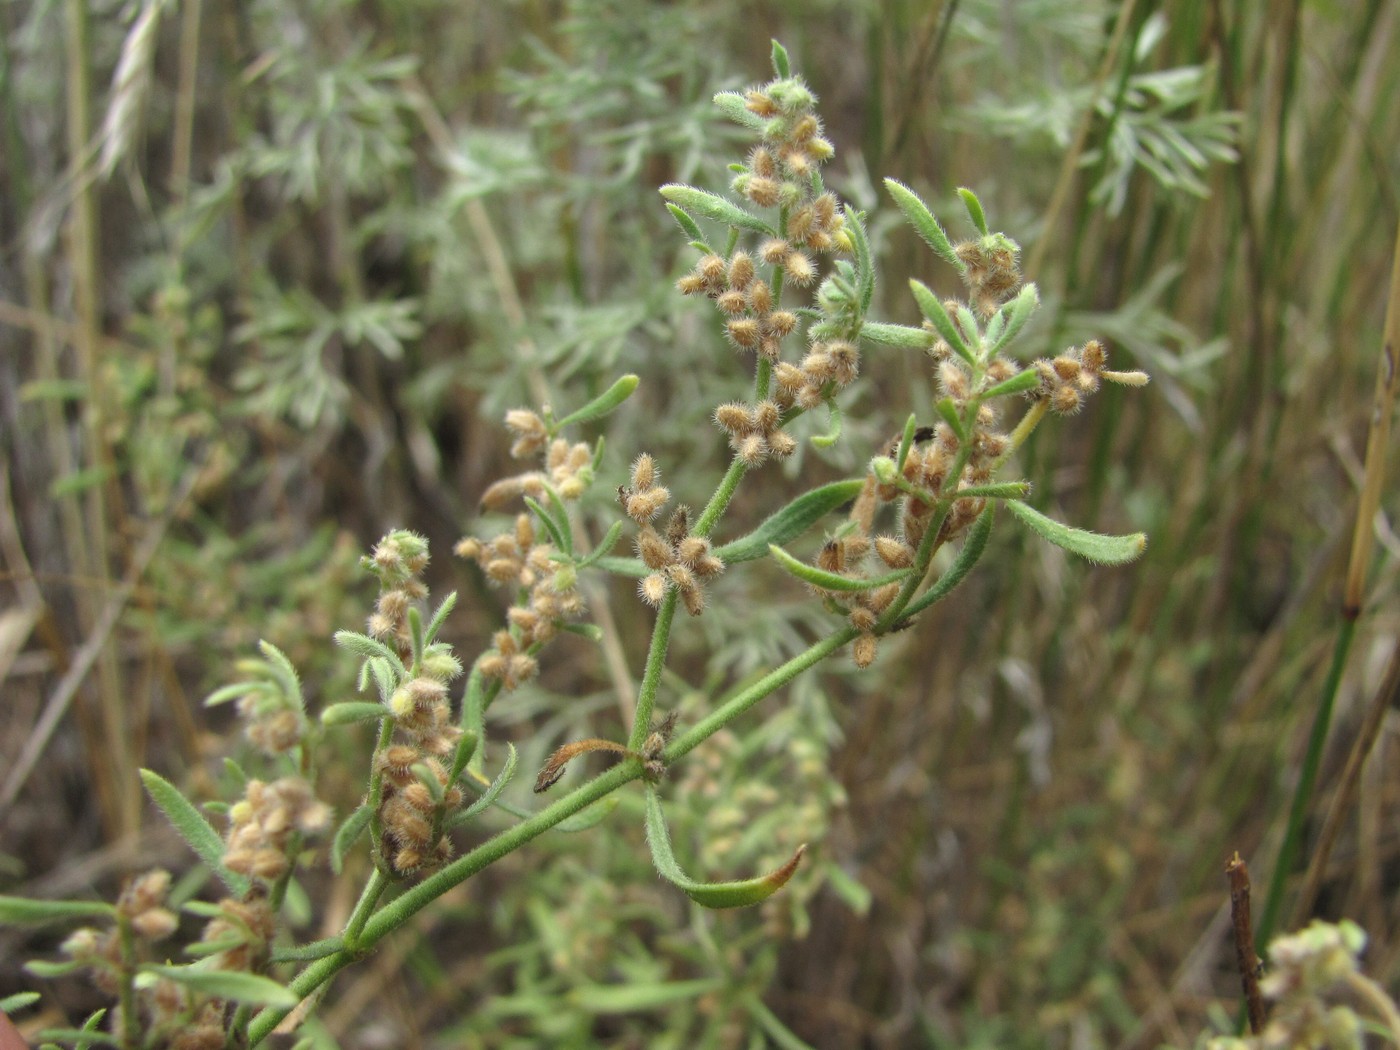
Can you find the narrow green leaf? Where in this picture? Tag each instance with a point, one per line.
(440, 617)
(1094, 546)
(592, 631)
(632, 997)
(949, 413)
(351, 828)
(26, 911)
(1017, 384)
(415, 635)
(932, 308)
(781, 65)
(736, 894)
(547, 520)
(830, 581)
(353, 711)
(385, 679)
(906, 442)
(282, 670)
(228, 984)
(790, 522)
(968, 554)
(207, 843)
(734, 106)
(925, 225)
(370, 648)
(687, 224)
(903, 336)
(974, 209)
(47, 970)
(18, 1001)
(232, 691)
(997, 490)
(491, 793)
(715, 207)
(1017, 313)
(605, 402)
(865, 265)
(79, 1037)
(607, 543)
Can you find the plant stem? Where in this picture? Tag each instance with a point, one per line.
(656, 663)
(1303, 793)
(364, 908)
(742, 701)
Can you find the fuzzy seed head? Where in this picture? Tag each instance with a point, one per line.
(782, 323)
(800, 269)
(652, 589)
(744, 332)
(773, 251)
(763, 191)
(741, 271)
(733, 417)
(761, 297)
(1094, 356)
(1065, 401)
(863, 650)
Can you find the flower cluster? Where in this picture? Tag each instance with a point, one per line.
(568, 469)
(398, 560)
(549, 598)
(755, 432)
(676, 558)
(263, 822)
(415, 794)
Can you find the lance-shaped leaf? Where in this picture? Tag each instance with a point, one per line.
(227, 984)
(26, 911)
(865, 265)
(709, 894)
(207, 843)
(553, 769)
(949, 413)
(605, 402)
(688, 225)
(489, 795)
(903, 336)
(916, 211)
(1017, 384)
(346, 835)
(1094, 546)
(561, 538)
(713, 206)
(1017, 313)
(974, 209)
(831, 581)
(440, 617)
(790, 522)
(968, 555)
(932, 308)
(734, 106)
(352, 711)
(370, 648)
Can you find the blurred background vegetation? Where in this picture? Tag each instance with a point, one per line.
(271, 273)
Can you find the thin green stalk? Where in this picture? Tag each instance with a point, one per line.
(656, 663)
(364, 908)
(1303, 793)
(728, 485)
(742, 701)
